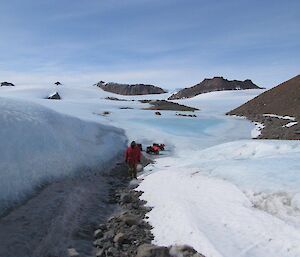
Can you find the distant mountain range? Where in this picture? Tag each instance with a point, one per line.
(278, 109)
(130, 89)
(214, 84)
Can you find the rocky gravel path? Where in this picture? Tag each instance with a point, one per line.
(128, 234)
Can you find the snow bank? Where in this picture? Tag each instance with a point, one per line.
(239, 198)
(258, 165)
(256, 132)
(290, 124)
(280, 117)
(39, 145)
(213, 216)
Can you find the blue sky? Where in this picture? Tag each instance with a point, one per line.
(171, 43)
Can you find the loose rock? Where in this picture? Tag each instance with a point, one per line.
(119, 238)
(128, 234)
(54, 96)
(98, 233)
(100, 253)
(130, 219)
(73, 253)
(149, 250)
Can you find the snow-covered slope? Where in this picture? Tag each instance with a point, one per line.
(226, 194)
(39, 145)
(240, 198)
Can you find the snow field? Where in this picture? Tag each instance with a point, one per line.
(234, 199)
(267, 171)
(226, 196)
(213, 216)
(213, 188)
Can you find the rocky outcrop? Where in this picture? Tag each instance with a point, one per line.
(116, 99)
(167, 106)
(54, 96)
(214, 84)
(283, 103)
(6, 84)
(186, 115)
(130, 89)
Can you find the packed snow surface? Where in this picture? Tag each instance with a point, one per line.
(234, 199)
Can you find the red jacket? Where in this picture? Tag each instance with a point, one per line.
(133, 155)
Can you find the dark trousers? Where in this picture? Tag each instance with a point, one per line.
(132, 170)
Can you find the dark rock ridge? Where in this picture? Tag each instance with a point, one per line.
(186, 115)
(6, 84)
(130, 89)
(214, 84)
(164, 105)
(282, 100)
(116, 99)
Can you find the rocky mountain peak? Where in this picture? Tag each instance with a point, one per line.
(213, 84)
(130, 89)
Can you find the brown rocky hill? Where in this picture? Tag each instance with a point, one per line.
(282, 100)
(130, 89)
(167, 106)
(214, 84)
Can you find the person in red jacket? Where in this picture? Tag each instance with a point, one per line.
(132, 158)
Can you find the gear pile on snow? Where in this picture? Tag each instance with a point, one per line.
(155, 148)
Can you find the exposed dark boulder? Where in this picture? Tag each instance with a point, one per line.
(126, 108)
(149, 250)
(184, 251)
(57, 83)
(105, 113)
(54, 96)
(120, 238)
(6, 84)
(186, 115)
(98, 233)
(115, 99)
(130, 89)
(130, 219)
(214, 84)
